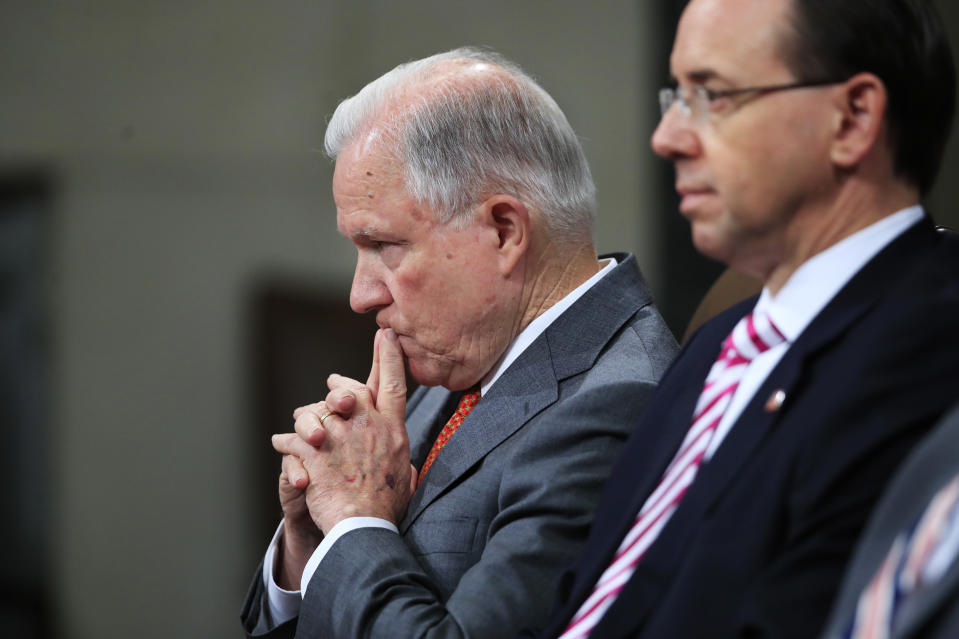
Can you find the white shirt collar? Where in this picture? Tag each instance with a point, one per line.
(535, 328)
(819, 278)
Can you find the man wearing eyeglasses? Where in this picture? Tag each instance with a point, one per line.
(803, 135)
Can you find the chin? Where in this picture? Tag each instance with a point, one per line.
(709, 245)
(453, 380)
(426, 375)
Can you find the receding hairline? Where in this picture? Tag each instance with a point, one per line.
(454, 75)
(467, 123)
(789, 44)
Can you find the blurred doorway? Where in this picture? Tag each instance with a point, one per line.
(301, 335)
(25, 404)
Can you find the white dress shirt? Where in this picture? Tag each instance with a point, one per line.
(285, 604)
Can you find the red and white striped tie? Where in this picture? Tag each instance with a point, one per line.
(753, 335)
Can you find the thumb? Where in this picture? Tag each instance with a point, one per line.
(413, 479)
(391, 395)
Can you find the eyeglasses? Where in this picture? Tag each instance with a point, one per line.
(697, 101)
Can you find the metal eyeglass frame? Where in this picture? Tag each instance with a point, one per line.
(702, 97)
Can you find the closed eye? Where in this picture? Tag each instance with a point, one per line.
(390, 253)
(384, 245)
(364, 240)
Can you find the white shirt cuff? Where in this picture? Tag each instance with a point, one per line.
(284, 605)
(340, 529)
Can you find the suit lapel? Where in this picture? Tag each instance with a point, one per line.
(641, 467)
(674, 412)
(860, 294)
(840, 315)
(750, 428)
(570, 345)
(531, 387)
(426, 419)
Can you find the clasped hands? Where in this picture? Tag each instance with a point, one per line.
(356, 462)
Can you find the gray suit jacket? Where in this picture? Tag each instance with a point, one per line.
(509, 501)
(934, 612)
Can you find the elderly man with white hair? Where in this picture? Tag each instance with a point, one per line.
(470, 203)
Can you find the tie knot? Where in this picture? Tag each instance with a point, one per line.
(469, 399)
(467, 402)
(754, 334)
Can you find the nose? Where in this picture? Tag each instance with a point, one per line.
(675, 137)
(369, 292)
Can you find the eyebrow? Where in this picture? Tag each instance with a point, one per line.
(700, 76)
(364, 232)
(370, 233)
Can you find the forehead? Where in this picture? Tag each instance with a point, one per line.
(734, 40)
(369, 190)
(365, 164)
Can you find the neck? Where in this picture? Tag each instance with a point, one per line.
(815, 230)
(558, 269)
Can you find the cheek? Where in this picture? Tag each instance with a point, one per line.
(761, 166)
(749, 179)
(408, 284)
(425, 299)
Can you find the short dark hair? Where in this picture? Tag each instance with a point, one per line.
(903, 42)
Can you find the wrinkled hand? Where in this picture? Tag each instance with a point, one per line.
(355, 466)
(301, 536)
(308, 423)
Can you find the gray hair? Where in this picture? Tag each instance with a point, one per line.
(462, 140)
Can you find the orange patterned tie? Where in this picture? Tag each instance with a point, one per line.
(467, 402)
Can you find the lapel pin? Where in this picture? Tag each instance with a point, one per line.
(775, 400)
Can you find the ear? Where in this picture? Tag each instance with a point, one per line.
(861, 110)
(510, 220)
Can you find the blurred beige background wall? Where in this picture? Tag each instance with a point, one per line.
(183, 143)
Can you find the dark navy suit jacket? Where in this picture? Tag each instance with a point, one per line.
(758, 545)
